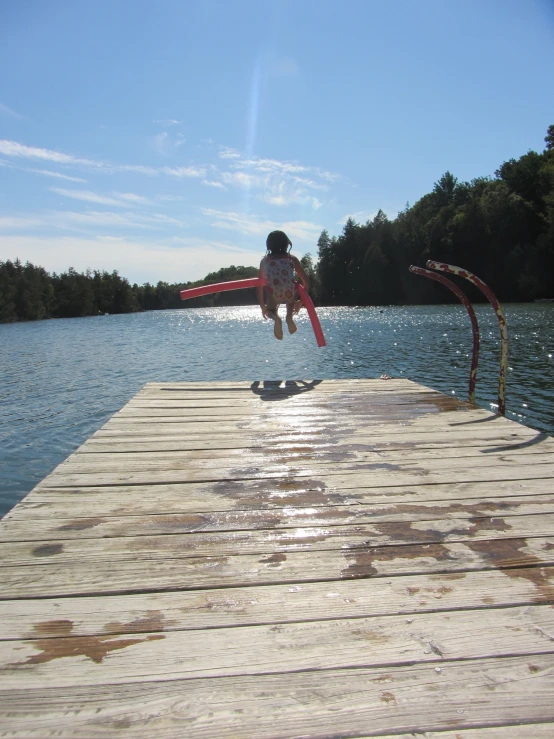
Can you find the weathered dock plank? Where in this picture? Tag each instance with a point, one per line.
(59, 520)
(245, 559)
(260, 496)
(142, 574)
(176, 545)
(325, 703)
(253, 650)
(271, 604)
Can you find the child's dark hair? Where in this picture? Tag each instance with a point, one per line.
(278, 242)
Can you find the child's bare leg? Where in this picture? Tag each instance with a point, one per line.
(278, 327)
(290, 323)
(272, 313)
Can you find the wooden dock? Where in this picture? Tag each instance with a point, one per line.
(346, 558)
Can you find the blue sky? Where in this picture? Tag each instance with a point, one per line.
(166, 139)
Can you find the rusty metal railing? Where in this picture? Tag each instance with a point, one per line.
(474, 325)
(450, 269)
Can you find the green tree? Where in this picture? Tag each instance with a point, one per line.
(311, 273)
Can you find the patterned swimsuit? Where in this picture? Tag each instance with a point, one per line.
(279, 273)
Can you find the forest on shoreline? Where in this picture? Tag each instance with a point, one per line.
(501, 228)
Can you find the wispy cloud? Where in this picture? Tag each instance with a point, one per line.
(278, 183)
(184, 171)
(311, 184)
(12, 113)
(120, 199)
(87, 196)
(247, 225)
(227, 152)
(282, 192)
(72, 221)
(275, 188)
(58, 175)
(14, 149)
(214, 183)
(168, 122)
(130, 197)
(17, 150)
(170, 198)
(134, 168)
(164, 143)
(271, 166)
(252, 226)
(242, 179)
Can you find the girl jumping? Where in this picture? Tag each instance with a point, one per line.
(278, 268)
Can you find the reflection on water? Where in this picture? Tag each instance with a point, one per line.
(61, 380)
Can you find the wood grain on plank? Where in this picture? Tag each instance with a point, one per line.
(270, 604)
(410, 699)
(269, 541)
(257, 650)
(282, 482)
(346, 454)
(494, 443)
(273, 495)
(59, 524)
(153, 574)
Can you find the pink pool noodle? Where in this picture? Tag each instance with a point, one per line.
(218, 287)
(316, 325)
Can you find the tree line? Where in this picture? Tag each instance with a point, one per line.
(501, 228)
(30, 293)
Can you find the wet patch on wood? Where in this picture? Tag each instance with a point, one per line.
(276, 492)
(273, 560)
(509, 556)
(362, 563)
(55, 627)
(151, 621)
(94, 648)
(47, 550)
(482, 508)
(412, 532)
(399, 408)
(81, 524)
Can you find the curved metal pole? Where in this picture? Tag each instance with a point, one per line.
(474, 325)
(491, 297)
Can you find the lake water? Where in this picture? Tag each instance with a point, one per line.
(61, 380)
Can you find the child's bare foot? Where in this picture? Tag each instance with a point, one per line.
(291, 325)
(278, 328)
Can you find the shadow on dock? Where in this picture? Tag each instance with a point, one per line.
(273, 390)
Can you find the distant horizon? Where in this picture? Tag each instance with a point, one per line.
(166, 142)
